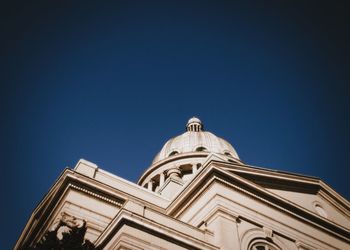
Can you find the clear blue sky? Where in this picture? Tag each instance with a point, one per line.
(110, 83)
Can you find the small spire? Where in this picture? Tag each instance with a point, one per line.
(194, 125)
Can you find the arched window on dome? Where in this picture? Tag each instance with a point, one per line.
(227, 154)
(201, 149)
(174, 153)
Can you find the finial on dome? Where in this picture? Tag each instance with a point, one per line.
(194, 125)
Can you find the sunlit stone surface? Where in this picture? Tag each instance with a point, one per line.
(196, 194)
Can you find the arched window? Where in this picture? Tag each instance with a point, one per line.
(173, 153)
(261, 239)
(228, 154)
(201, 149)
(262, 245)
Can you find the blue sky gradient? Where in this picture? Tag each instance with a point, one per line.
(111, 83)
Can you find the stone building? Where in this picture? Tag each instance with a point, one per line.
(196, 194)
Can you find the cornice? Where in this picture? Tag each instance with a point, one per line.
(121, 192)
(27, 230)
(219, 211)
(147, 224)
(213, 174)
(68, 180)
(93, 194)
(291, 182)
(245, 168)
(336, 199)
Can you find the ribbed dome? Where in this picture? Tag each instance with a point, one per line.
(194, 140)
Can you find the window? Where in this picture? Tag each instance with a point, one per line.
(228, 154)
(173, 153)
(262, 246)
(201, 149)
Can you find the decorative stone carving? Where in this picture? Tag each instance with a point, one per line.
(67, 233)
(268, 232)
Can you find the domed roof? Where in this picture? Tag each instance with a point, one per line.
(195, 140)
(193, 120)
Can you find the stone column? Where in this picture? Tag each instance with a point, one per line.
(194, 168)
(173, 184)
(150, 185)
(174, 173)
(161, 179)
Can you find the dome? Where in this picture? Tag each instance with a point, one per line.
(195, 139)
(194, 120)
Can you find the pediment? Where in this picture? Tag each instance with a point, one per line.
(226, 175)
(88, 194)
(72, 196)
(307, 192)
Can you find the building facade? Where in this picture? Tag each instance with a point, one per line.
(196, 194)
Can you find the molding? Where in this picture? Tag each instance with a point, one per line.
(148, 225)
(338, 203)
(41, 215)
(219, 211)
(214, 174)
(128, 241)
(313, 184)
(46, 219)
(258, 234)
(101, 197)
(303, 246)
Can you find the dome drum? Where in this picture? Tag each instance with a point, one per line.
(182, 156)
(187, 165)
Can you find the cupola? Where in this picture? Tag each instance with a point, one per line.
(181, 157)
